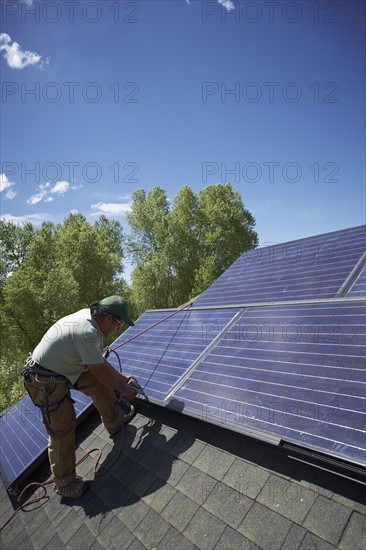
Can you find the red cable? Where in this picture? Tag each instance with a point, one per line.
(44, 484)
(152, 326)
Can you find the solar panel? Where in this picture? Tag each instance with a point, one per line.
(157, 359)
(294, 371)
(359, 286)
(274, 348)
(163, 354)
(24, 439)
(305, 269)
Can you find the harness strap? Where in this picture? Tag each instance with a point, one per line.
(47, 408)
(30, 366)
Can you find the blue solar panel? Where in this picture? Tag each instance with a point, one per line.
(306, 269)
(295, 371)
(24, 439)
(157, 358)
(163, 354)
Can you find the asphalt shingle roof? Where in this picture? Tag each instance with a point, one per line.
(183, 484)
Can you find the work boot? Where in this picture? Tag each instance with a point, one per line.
(74, 489)
(126, 419)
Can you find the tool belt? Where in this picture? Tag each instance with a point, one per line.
(34, 372)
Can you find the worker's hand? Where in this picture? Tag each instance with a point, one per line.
(129, 392)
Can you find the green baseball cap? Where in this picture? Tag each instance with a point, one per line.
(117, 306)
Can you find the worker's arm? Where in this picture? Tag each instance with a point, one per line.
(110, 377)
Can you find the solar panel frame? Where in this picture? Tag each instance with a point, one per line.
(352, 401)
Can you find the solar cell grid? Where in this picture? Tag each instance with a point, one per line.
(286, 382)
(304, 269)
(159, 357)
(23, 437)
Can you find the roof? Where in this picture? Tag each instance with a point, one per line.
(181, 483)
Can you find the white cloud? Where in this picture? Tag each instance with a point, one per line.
(28, 2)
(61, 187)
(46, 190)
(228, 4)
(35, 219)
(110, 208)
(17, 58)
(6, 184)
(10, 194)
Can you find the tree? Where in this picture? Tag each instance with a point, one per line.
(225, 232)
(179, 251)
(14, 244)
(52, 271)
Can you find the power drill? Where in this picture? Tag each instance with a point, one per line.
(123, 403)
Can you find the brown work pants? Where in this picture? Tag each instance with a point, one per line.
(61, 429)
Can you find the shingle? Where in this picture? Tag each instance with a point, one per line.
(142, 484)
(352, 495)
(196, 484)
(82, 538)
(98, 517)
(247, 479)
(321, 519)
(214, 462)
(151, 529)
(227, 504)
(354, 535)
(312, 542)
(204, 529)
(187, 448)
(287, 498)
(232, 540)
(115, 535)
(20, 541)
(159, 495)
(128, 471)
(264, 527)
(133, 512)
(172, 470)
(294, 537)
(166, 438)
(35, 519)
(68, 526)
(54, 544)
(136, 544)
(179, 511)
(153, 458)
(319, 481)
(174, 539)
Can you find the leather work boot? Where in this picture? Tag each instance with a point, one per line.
(73, 490)
(126, 420)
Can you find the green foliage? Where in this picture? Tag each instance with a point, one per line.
(57, 270)
(179, 251)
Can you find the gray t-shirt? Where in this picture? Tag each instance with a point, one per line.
(71, 344)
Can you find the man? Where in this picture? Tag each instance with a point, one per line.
(70, 355)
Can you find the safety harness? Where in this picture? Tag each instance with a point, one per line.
(31, 370)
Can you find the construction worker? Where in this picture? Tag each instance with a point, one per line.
(70, 355)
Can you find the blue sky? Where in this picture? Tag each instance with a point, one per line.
(100, 98)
